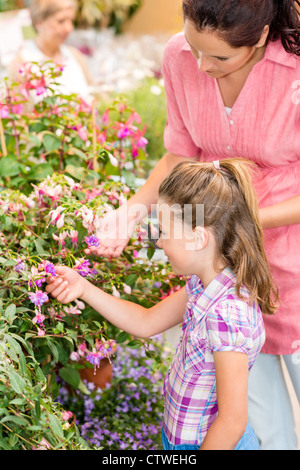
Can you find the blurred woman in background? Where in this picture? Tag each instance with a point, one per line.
(53, 22)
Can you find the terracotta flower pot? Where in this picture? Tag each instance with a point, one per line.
(101, 376)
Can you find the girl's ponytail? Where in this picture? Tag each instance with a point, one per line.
(225, 190)
(246, 254)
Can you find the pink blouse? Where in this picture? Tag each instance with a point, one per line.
(263, 126)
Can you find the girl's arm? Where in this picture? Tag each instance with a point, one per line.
(284, 213)
(232, 396)
(128, 316)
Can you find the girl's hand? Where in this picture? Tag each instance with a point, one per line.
(67, 286)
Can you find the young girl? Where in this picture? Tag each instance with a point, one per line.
(206, 388)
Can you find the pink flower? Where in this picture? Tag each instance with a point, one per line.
(74, 356)
(38, 319)
(124, 132)
(55, 214)
(66, 415)
(38, 297)
(74, 237)
(82, 132)
(61, 221)
(73, 310)
(4, 111)
(17, 108)
(61, 237)
(105, 117)
(43, 445)
(142, 142)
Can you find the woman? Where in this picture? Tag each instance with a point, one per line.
(232, 86)
(53, 22)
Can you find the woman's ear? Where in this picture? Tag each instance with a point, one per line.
(264, 36)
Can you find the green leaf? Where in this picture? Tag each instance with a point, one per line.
(10, 312)
(40, 172)
(15, 419)
(51, 142)
(16, 381)
(122, 337)
(70, 375)
(9, 166)
(76, 172)
(39, 247)
(56, 426)
(134, 344)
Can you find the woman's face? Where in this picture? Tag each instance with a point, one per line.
(56, 28)
(215, 56)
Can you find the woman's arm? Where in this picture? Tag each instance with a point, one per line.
(232, 396)
(284, 213)
(128, 316)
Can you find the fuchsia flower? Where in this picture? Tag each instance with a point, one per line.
(4, 111)
(66, 415)
(61, 237)
(74, 237)
(82, 266)
(50, 268)
(82, 132)
(92, 241)
(38, 319)
(124, 131)
(38, 297)
(20, 266)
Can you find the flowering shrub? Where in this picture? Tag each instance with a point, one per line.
(48, 220)
(43, 131)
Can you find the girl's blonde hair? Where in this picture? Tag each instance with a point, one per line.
(231, 211)
(40, 10)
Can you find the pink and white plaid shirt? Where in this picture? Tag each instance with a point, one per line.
(216, 319)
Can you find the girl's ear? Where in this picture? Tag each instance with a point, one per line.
(200, 237)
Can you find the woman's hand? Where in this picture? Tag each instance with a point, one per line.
(67, 286)
(116, 228)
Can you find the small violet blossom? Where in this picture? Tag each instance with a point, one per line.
(92, 241)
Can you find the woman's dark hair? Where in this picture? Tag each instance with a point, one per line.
(241, 22)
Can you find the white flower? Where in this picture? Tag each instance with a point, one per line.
(155, 90)
(127, 289)
(112, 160)
(115, 292)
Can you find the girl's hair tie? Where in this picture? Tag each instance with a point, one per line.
(216, 164)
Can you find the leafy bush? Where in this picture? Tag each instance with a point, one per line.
(55, 187)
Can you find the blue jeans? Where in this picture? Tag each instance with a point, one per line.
(270, 409)
(248, 441)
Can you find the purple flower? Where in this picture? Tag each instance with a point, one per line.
(38, 297)
(92, 240)
(84, 269)
(19, 267)
(50, 269)
(94, 358)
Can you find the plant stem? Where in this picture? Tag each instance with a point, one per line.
(2, 138)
